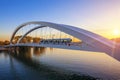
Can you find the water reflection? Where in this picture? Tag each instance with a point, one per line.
(27, 57)
(39, 51)
(56, 64)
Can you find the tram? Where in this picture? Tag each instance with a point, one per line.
(54, 41)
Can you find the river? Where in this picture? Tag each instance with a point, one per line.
(57, 64)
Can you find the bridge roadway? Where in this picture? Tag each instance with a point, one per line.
(73, 46)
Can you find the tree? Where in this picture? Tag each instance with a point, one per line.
(6, 42)
(36, 40)
(1, 43)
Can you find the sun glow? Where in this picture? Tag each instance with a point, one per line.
(116, 32)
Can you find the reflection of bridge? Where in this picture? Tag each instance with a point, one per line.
(90, 41)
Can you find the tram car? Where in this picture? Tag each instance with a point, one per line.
(54, 41)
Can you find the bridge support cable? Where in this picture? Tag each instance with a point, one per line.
(60, 34)
(42, 33)
(47, 31)
(36, 33)
(50, 30)
(22, 32)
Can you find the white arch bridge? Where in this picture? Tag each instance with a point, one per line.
(90, 40)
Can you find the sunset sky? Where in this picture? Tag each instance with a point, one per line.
(99, 16)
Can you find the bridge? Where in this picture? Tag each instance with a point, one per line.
(54, 35)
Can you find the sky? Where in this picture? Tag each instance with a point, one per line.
(99, 16)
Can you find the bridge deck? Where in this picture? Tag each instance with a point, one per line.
(81, 46)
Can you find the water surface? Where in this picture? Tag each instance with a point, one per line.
(54, 64)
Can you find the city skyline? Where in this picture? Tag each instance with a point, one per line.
(99, 16)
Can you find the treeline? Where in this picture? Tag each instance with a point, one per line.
(27, 39)
(6, 42)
